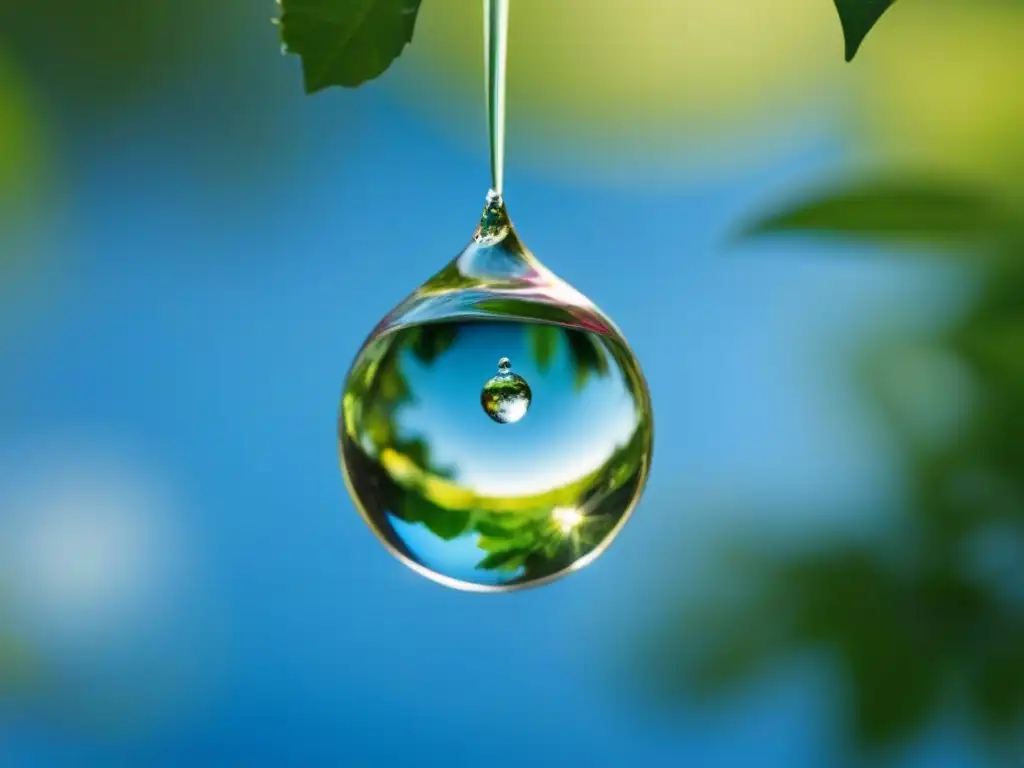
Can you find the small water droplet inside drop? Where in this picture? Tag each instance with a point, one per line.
(506, 397)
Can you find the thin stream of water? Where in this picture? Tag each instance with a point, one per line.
(495, 55)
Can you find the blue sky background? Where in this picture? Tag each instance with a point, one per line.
(187, 339)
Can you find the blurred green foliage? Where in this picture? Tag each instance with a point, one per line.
(92, 57)
(80, 80)
(24, 169)
(22, 159)
(926, 617)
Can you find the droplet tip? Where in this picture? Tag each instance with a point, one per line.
(494, 223)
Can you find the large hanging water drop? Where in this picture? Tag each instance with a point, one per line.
(475, 502)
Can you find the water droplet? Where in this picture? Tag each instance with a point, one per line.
(453, 495)
(456, 498)
(506, 397)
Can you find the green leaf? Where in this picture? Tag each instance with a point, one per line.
(346, 42)
(913, 211)
(857, 18)
(508, 560)
(445, 523)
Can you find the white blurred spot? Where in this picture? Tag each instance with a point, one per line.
(566, 518)
(85, 540)
(98, 582)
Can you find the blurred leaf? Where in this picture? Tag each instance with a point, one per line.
(886, 627)
(346, 42)
(927, 618)
(858, 17)
(914, 211)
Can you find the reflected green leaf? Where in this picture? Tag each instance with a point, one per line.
(857, 18)
(588, 356)
(446, 523)
(543, 343)
(509, 560)
(432, 341)
(491, 544)
(346, 42)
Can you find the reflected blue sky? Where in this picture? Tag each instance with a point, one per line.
(460, 555)
(214, 330)
(567, 433)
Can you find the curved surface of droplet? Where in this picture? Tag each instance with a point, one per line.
(469, 501)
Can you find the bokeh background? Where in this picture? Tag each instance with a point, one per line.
(828, 565)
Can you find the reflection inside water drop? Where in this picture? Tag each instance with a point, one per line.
(473, 509)
(506, 397)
